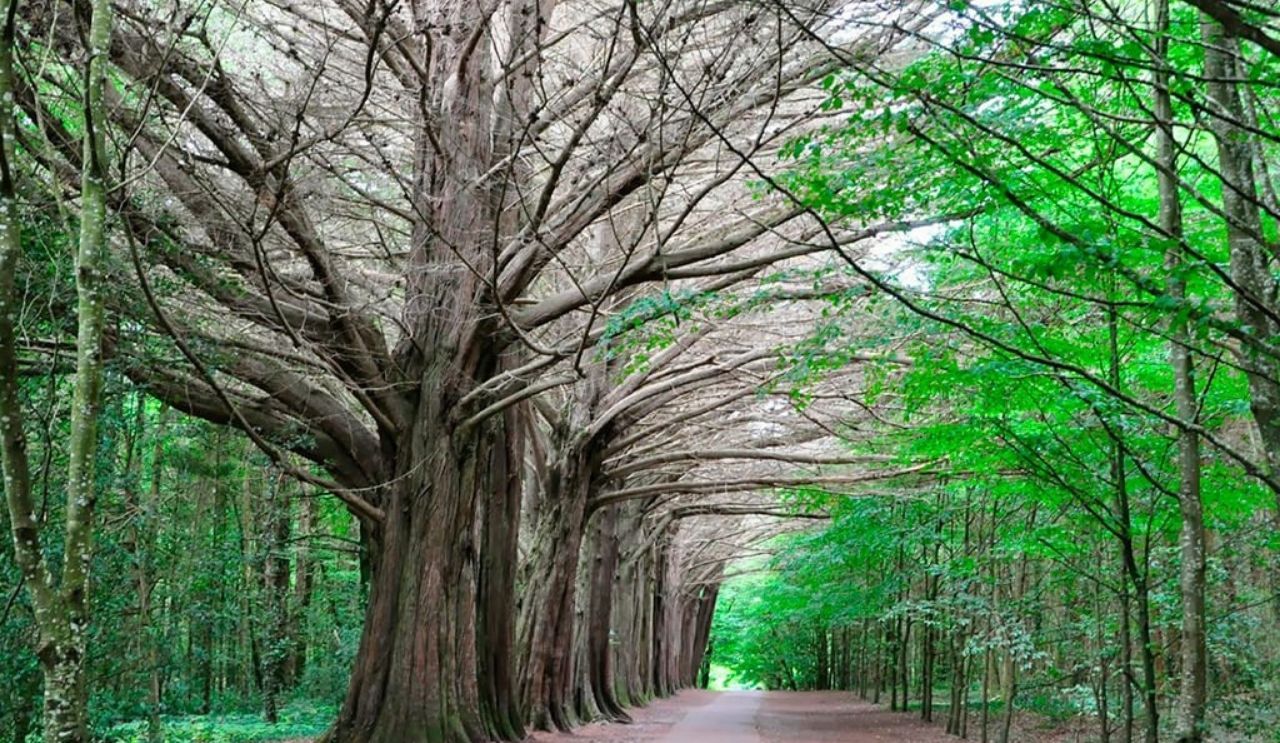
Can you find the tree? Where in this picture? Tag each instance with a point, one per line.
(62, 606)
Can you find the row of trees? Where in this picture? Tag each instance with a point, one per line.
(495, 276)
(1096, 366)
(229, 588)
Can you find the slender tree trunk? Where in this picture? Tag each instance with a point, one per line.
(1137, 575)
(1193, 692)
(240, 664)
(214, 595)
(1252, 266)
(891, 664)
(926, 674)
(846, 659)
(275, 584)
(1127, 677)
(988, 665)
(1009, 693)
(904, 667)
(1104, 667)
(822, 673)
(139, 546)
(1010, 670)
(902, 637)
(303, 581)
(882, 664)
(959, 683)
(1251, 269)
(61, 610)
(865, 655)
(1131, 574)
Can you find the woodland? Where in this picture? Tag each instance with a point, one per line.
(445, 370)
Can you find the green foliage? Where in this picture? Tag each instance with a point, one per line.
(1036, 323)
(304, 720)
(179, 500)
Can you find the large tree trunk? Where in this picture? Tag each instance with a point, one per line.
(65, 694)
(667, 636)
(500, 527)
(583, 697)
(699, 630)
(600, 614)
(632, 608)
(547, 627)
(416, 671)
(432, 663)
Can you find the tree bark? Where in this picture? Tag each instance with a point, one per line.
(61, 610)
(1249, 270)
(698, 629)
(821, 648)
(500, 521)
(667, 629)
(432, 659)
(547, 630)
(303, 581)
(416, 671)
(275, 584)
(1251, 260)
(632, 608)
(600, 614)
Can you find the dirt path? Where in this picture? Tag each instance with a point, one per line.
(731, 718)
(759, 717)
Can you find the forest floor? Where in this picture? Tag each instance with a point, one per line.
(758, 717)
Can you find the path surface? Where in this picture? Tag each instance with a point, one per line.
(731, 718)
(759, 717)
